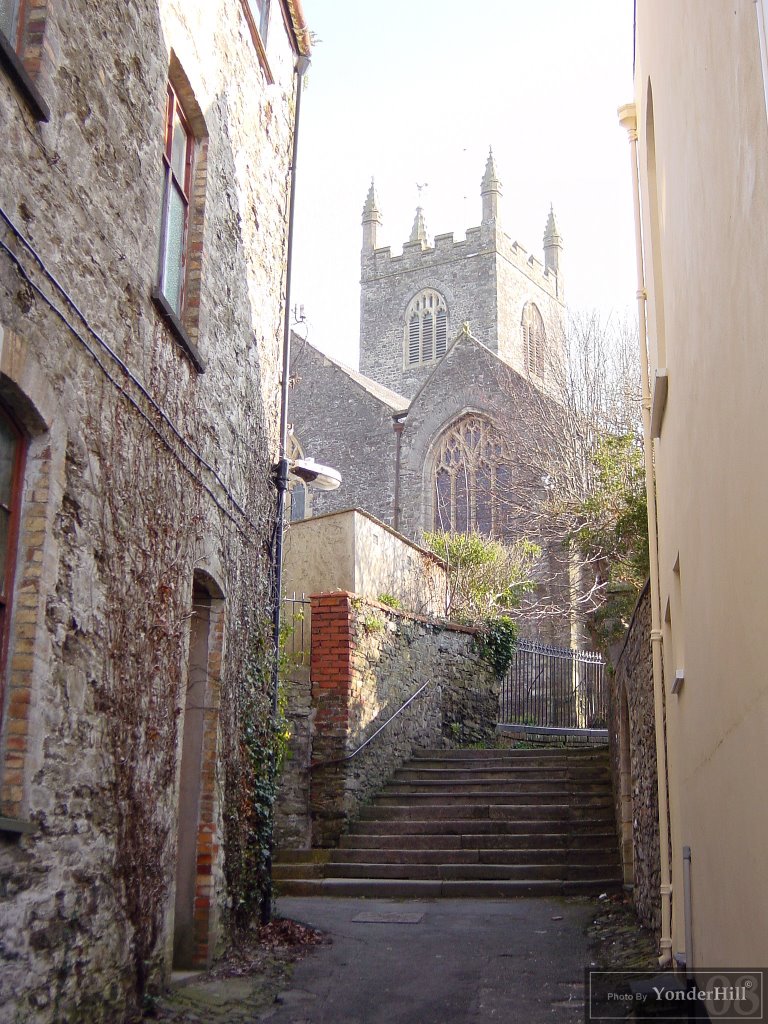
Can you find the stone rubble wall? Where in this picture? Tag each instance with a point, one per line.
(86, 189)
(367, 660)
(633, 677)
(292, 825)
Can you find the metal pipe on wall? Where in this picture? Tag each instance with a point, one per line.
(281, 469)
(628, 120)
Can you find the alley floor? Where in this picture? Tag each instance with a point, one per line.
(421, 962)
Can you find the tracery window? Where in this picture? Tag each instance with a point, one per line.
(470, 476)
(534, 339)
(426, 328)
(298, 496)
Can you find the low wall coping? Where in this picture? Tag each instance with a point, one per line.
(455, 627)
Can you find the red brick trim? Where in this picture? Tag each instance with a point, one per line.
(209, 847)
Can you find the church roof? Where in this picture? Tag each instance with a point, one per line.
(398, 403)
(464, 336)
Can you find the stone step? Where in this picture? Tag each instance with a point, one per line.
(503, 773)
(546, 755)
(536, 790)
(390, 888)
(601, 841)
(474, 823)
(474, 798)
(476, 826)
(531, 855)
(466, 872)
(427, 811)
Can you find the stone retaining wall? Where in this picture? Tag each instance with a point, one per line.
(632, 735)
(367, 660)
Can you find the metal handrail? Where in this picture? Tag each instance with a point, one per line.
(382, 727)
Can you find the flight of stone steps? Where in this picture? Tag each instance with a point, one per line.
(474, 823)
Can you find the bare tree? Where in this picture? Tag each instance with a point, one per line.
(574, 449)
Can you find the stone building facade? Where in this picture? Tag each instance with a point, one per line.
(146, 171)
(460, 345)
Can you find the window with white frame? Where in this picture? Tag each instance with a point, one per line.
(178, 153)
(261, 9)
(9, 21)
(176, 293)
(24, 56)
(761, 6)
(426, 328)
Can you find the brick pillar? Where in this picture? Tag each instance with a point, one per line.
(331, 677)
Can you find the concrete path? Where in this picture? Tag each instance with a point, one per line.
(445, 961)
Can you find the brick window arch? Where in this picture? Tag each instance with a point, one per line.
(12, 452)
(426, 328)
(24, 55)
(469, 475)
(534, 339)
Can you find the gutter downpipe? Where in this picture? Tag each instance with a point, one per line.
(280, 473)
(398, 427)
(628, 120)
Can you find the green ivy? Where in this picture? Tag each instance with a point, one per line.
(497, 643)
(263, 748)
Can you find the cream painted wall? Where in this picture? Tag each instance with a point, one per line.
(702, 60)
(353, 551)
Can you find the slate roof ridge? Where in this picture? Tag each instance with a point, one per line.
(379, 391)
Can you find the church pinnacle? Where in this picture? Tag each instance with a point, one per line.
(490, 189)
(552, 235)
(419, 229)
(553, 245)
(371, 219)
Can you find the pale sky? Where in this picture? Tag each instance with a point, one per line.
(409, 91)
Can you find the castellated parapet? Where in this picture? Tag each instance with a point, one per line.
(486, 279)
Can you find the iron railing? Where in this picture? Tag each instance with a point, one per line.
(297, 628)
(554, 687)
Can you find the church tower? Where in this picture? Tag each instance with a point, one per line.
(412, 305)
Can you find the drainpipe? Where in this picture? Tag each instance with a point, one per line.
(280, 475)
(398, 428)
(628, 120)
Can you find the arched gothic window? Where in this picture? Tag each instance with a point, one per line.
(426, 328)
(534, 339)
(469, 476)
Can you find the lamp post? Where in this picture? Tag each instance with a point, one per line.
(306, 469)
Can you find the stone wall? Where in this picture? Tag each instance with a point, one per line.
(342, 423)
(143, 477)
(632, 739)
(352, 551)
(367, 660)
(292, 824)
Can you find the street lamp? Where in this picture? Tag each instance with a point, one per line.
(322, 477)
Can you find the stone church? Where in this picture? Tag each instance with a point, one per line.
(458, 338)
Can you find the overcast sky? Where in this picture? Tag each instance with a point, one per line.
(409, 91)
